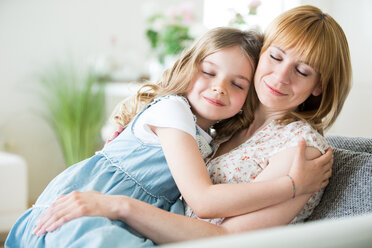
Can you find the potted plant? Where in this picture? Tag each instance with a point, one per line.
(169, 32)
(75, 110)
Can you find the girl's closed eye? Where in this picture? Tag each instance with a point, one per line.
(208, 73)
(238, 85)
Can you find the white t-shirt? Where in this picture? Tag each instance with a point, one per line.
(171, 111)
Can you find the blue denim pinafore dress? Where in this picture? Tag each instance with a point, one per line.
(125, 166)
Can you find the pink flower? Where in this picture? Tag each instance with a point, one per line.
(254, 4)
(183, 13)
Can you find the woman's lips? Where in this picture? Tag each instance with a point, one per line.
(274, 91)
(214, 101)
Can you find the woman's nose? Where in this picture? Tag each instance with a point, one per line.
(283, 72)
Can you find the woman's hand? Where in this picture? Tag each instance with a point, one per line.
(74, 205)
(310, 171)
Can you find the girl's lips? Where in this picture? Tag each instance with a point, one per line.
(274, 91)
(214, 101)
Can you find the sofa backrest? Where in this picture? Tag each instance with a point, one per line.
(349, 191)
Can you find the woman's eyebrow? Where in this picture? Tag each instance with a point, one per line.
(300, 61)
(278, 49)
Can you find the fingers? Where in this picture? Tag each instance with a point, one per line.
(54, 223)
(55, 212)
(324, 184)
(325, 158)
(299, 157)
(301, 148)
(116, 134)
(328, 174)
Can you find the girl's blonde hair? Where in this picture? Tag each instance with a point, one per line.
(322, 44)
(177, 79)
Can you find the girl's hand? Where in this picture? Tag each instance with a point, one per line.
(74, 205)
(310, 175)
(116, 134)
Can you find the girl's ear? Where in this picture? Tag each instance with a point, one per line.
(317, 90)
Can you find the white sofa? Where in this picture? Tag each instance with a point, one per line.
(343, 218)
(346, 232)
(13, 189)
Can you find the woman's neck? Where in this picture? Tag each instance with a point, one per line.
(262, 117)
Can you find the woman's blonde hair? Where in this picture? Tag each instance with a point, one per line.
(177, 79)
(321, 43)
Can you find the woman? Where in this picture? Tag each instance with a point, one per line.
(301, 83)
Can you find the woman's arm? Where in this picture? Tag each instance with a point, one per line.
(164, 227)
(156, 224)
(190, 174)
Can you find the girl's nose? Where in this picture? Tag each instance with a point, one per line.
(219, 86)
(218, 90)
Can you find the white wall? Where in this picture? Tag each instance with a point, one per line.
(36, 33)
(355, 19)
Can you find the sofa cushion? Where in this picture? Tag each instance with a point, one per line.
(349, 191)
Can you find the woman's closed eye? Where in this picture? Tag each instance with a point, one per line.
(302, 73)
(275, 57)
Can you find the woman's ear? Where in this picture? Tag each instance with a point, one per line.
(317, 90)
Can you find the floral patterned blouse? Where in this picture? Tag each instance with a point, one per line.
(248, 160)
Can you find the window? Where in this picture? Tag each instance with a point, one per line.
(220, 12)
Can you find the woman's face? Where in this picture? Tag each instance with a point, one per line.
(282, 81)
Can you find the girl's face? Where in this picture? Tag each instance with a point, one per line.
(220, 87)
(282, 81)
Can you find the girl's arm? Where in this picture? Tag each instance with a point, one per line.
(224, 200)
(279, 214)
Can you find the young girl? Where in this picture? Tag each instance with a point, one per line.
(157, 156)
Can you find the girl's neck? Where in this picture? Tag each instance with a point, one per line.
(204, 123)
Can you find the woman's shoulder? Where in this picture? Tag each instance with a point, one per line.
(294, 130)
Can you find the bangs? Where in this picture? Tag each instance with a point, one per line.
(308, 37)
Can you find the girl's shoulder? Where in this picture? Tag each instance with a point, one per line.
(173, 106)
(176, 99)
(168, 111)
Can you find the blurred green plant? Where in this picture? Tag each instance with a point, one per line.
(75, 105)
(169, 32)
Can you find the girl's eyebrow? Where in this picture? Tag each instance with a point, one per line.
(236, 75)
(244, 78)
(209, 62)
